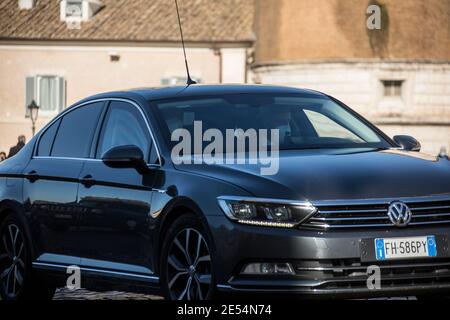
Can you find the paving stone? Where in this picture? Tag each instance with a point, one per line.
(81, 294)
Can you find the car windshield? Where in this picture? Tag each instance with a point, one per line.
(305, 121)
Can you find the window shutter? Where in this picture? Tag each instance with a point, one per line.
(61, 93)
(30, 93)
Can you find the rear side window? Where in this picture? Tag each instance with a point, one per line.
(123, 126)
(46, 140)
(75, 133)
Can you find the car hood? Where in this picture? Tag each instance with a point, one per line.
(339, 174)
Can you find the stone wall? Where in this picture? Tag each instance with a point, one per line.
(423, 109)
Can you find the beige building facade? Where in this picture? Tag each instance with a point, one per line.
(87, 69)
(56, 65)
(397, 76)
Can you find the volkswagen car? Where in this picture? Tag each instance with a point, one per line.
(99, 193)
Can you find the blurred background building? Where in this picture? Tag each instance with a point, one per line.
(398, 76)
(57, 52)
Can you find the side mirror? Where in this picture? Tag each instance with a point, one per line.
(125, 157)
(408, 143)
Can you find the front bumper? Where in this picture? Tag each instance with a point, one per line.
(326, 264)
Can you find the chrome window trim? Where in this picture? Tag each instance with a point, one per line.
(91, 102)
(68, 158)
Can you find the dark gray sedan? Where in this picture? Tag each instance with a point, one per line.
(194, 191)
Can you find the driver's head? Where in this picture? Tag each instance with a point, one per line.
(282, 118)
(278, 117)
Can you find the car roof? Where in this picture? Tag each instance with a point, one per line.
(162, 93)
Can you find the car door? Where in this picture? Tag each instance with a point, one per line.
(51, 184)
(115, 203)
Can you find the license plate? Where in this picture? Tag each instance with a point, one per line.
(404, 248)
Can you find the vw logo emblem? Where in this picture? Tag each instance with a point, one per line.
(399, 214)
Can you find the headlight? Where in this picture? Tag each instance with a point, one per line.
(266, 212)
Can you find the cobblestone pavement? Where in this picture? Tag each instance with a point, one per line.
(65, 294)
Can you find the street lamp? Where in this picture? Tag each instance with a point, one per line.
(34, 111)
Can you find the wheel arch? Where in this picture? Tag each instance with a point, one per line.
(12, 207)
(173, 210)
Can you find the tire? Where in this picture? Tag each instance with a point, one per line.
(17, 281)
(186, 267)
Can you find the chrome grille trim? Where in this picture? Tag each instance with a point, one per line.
(355, 211)
(388, 266)
(382, 201)
(348, 218)
(351, 274)
(372, 213)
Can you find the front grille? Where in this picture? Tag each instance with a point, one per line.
(352, 274)
(373, 214)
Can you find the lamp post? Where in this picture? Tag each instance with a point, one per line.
(34, 111)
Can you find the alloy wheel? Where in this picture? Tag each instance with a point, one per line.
(12, 260)
(189, 268)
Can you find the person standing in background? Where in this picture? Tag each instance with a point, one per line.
(443, 153)
(20, 144)
(2, 156)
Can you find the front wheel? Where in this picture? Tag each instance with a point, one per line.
(186, 263)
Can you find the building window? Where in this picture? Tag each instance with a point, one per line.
(392, 88)
(79, 10)
(74, 9)
(48, 91)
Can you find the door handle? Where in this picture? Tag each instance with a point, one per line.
(87, 181)
(32, 176)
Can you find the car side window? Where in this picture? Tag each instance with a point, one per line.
(123, 126)
(75, 133)
(46, 141)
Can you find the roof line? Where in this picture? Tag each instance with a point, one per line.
(321, 61)
(142, 43)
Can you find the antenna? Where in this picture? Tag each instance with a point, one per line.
(189, 79)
